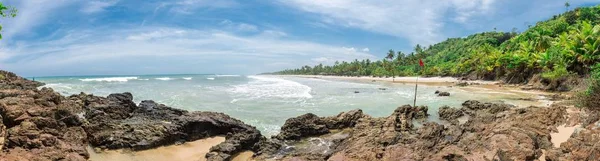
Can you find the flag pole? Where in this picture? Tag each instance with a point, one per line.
(416, 86)
(421, 65)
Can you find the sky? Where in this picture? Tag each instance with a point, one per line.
(127, 37)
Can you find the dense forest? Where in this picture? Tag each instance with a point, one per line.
(566, 45)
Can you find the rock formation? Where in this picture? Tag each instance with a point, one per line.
(43, 125)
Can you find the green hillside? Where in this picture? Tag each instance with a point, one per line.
(563, 46)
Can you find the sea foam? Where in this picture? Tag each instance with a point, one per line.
(187, 78)
(210, 78)
(109, 79)
(271, 87)
(164, 78)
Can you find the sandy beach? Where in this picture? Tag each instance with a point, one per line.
(189, 151)
(422, 80)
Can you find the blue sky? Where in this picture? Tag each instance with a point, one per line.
(107, 37)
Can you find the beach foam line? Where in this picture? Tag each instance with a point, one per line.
(109, 79)
(210, 78)
(187, 78)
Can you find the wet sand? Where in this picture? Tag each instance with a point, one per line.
(509, 93)
(243, 156)
(189, 151)
(564, 133)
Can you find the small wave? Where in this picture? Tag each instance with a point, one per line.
(109, 79)
(225, 75)
(271, 87)
(187, 78)
(144, 79)
(164, 78)
(57, 86)
(210, 78)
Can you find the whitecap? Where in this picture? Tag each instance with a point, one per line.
(57, 86)
(144, 79)
(225, 75)
(164, 78)
(210, 78)
(109, 79)
(187, 78)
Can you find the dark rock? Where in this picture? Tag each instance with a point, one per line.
(344, 119)
(116, 123)
(444, 94)
(302, 126)
(437, 92)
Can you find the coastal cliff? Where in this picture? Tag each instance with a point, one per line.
(40, 124)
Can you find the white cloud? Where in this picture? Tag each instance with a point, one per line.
(156, 34)
(188, 6)
(366, 50)
(420, 21)
(94, 6)
(242, 27)
(174, 43)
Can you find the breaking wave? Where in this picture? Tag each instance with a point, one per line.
(109, 79)
(270, 87)
(164, 78)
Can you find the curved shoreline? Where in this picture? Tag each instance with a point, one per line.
(34, 121)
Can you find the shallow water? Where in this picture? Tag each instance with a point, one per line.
(267, 101)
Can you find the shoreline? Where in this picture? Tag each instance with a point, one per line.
(521, 98)
(422, 80)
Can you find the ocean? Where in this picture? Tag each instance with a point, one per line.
(267, 101)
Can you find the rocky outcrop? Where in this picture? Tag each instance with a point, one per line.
(40, 124)
(448, 113)
(494, 131)
(310, 124)
(115, 122)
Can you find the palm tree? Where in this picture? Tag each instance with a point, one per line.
(390, 55)
(567, 5)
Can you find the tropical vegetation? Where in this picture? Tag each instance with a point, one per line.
(562, 46)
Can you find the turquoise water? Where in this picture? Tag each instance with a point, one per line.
(264, 101)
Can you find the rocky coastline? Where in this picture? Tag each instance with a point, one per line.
(40, 124)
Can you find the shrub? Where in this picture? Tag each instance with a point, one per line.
(589, 97)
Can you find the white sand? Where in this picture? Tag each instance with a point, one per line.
(189, 151)
(243, 156)
(564, 133)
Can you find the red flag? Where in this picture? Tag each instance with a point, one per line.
(421, 63)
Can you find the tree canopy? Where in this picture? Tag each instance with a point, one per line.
(566, 44)
(6, 11)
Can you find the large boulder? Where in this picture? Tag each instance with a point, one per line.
(302, 126)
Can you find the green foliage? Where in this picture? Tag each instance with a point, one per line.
(2, 77)
(589, 98)
(6, 11)
(556, 48)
